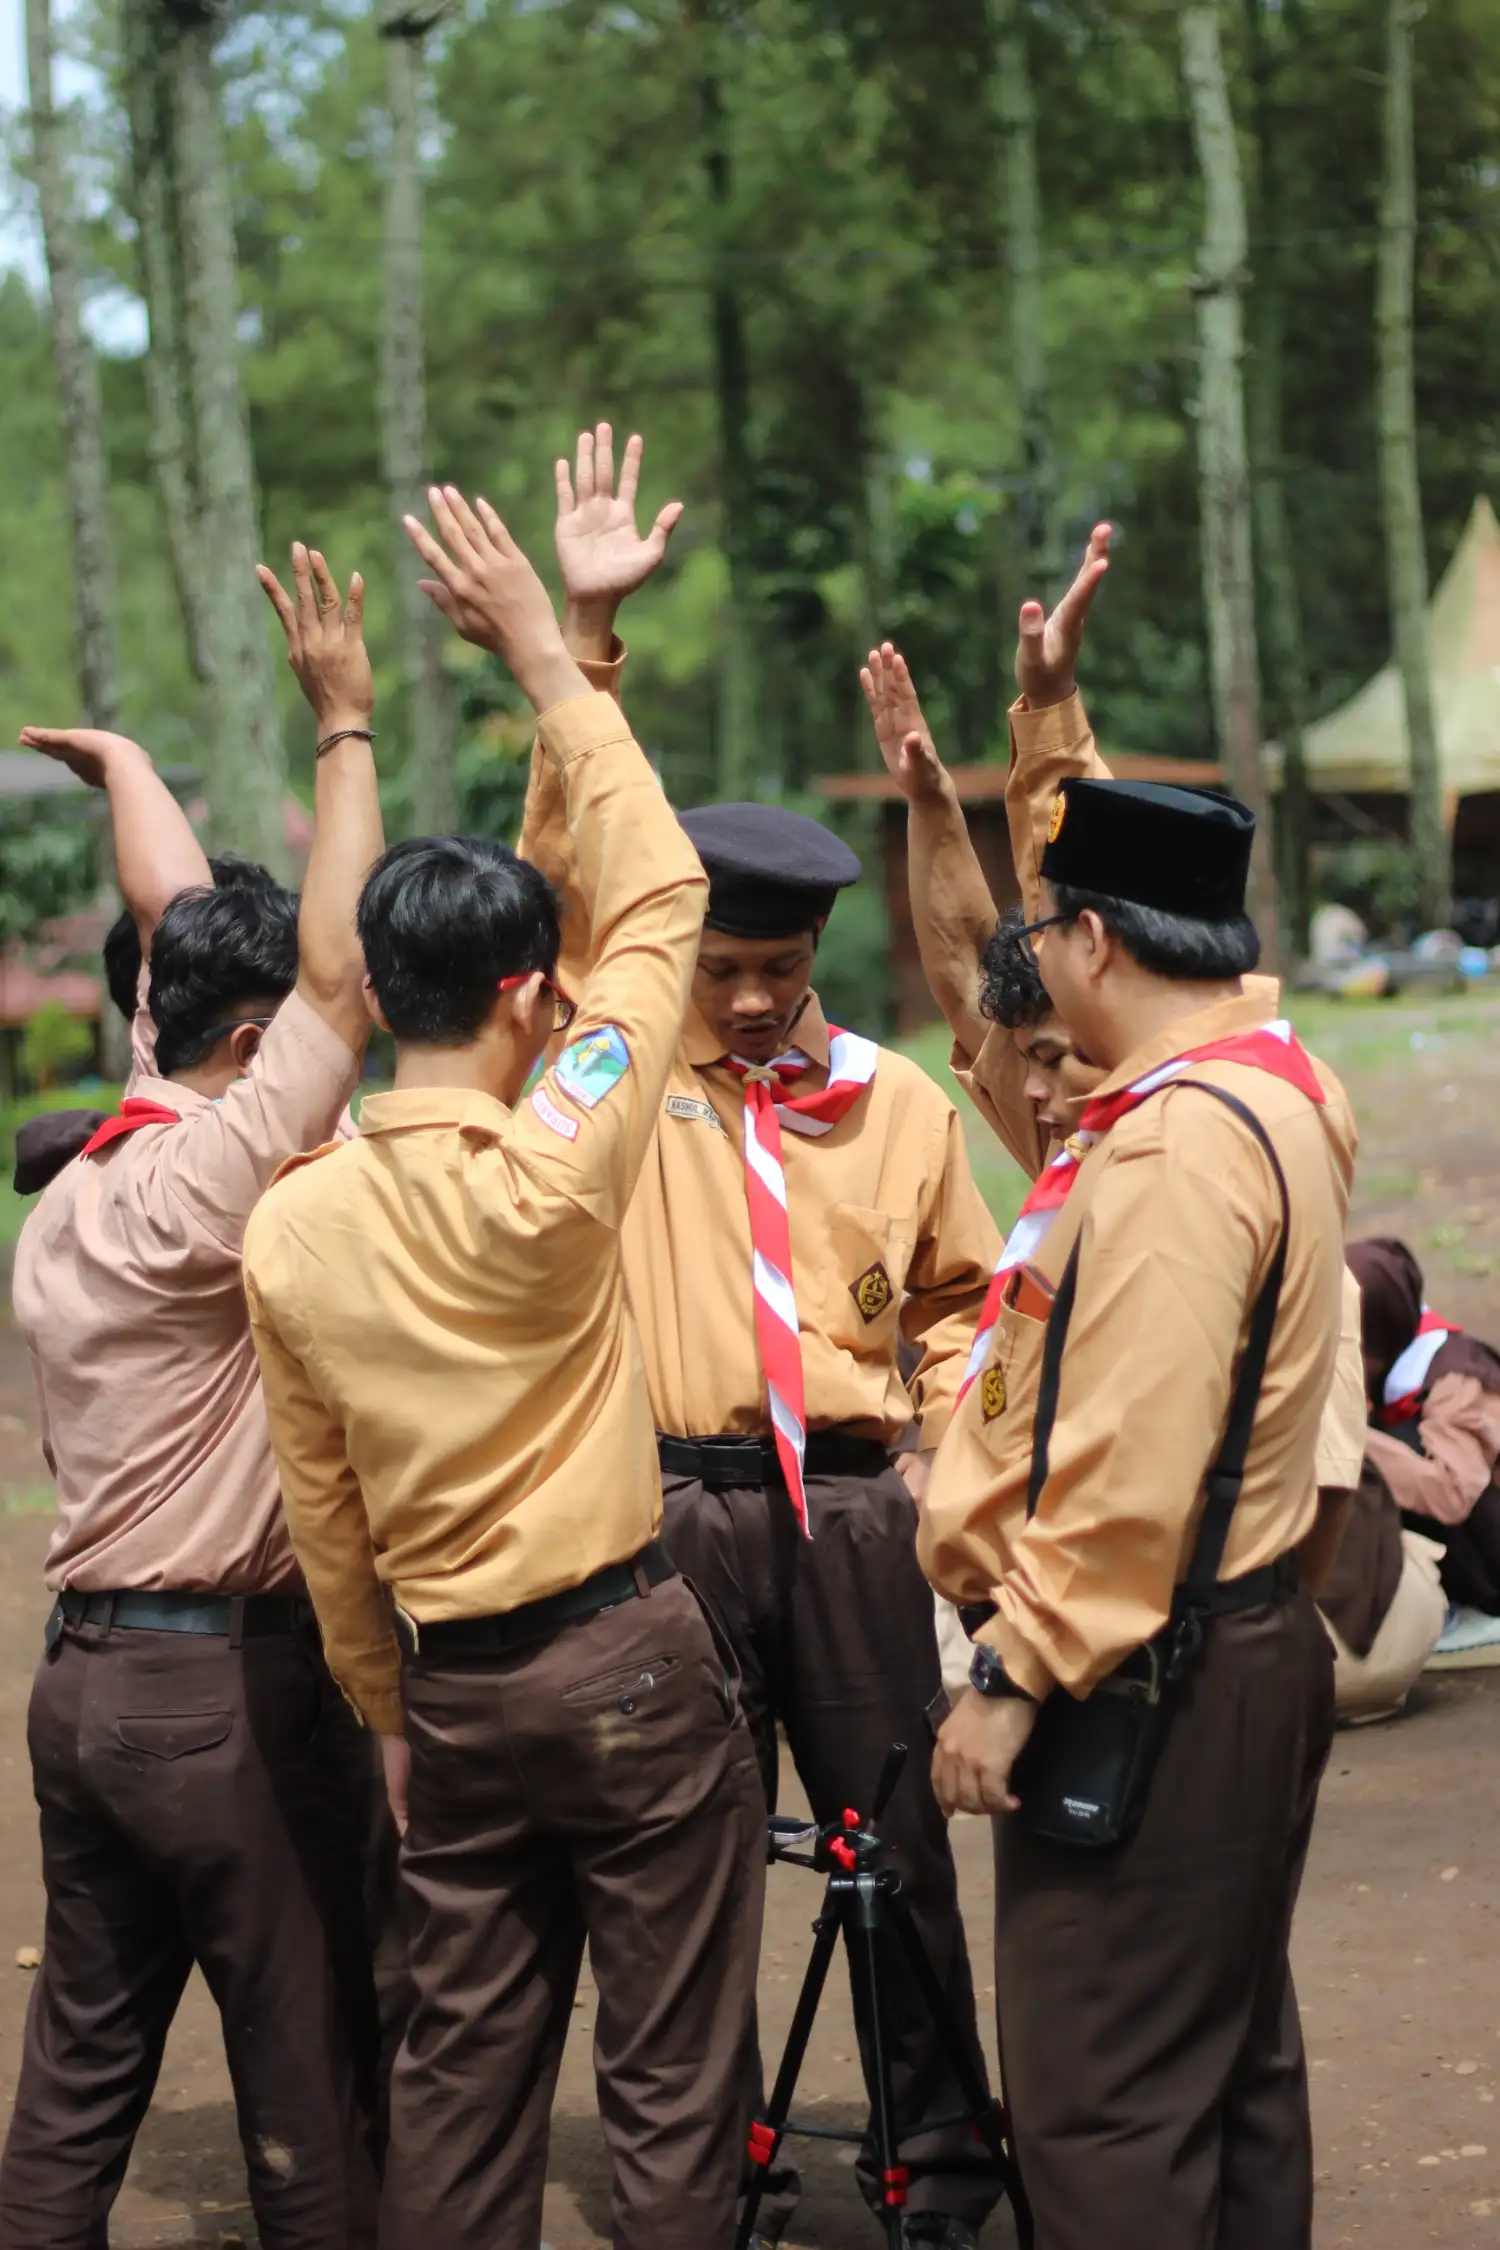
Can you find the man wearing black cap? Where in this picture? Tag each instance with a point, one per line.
(1129, 1496)
(805, 1208)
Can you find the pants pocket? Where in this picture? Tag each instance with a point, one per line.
(626, 1684)
(174, 1734)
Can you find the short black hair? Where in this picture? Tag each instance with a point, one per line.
(213, 951)
(442, 919)
(1012, 993)
(122, 944)
(1177, 946)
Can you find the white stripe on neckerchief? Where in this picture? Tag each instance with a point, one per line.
(851, 1066)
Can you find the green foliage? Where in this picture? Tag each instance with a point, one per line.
(54, 1045)
(1377, 878)
(48, 866)
(569, 244)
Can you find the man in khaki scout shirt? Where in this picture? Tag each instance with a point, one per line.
(204, 1793)
(1153, 2059)
(455, 1392)
(859, 1161)
(1012, 1053)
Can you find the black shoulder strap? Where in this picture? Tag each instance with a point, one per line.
(1228, 1471)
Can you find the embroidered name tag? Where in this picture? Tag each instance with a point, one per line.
(549, 1113)
(593, 1066)
(872, 1293)
(992, 1393)
(695, 1112)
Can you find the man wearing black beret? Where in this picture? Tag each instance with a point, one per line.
(1129, 1488)
(807, 1207)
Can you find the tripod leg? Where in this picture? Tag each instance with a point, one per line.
(765, 2134)
(988, 2116)
(863, 1925)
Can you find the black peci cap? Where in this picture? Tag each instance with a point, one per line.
(771, 873)
(1183, 851)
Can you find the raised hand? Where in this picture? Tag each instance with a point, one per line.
(490, 594)
(86, 751)
(601, 554)
(1047, 651)
(906, 745)
(325, 641)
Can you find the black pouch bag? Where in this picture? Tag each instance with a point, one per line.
(1084, 1774)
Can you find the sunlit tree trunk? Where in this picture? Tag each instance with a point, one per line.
(744, 755)
(1223, 467)
(77, 383)
(1040, 562)
(1405, 551)
(403, 425)
(1281, 605)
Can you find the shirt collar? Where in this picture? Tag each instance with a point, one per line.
(413, 1108)
(703, 1048)
(1224, 1020)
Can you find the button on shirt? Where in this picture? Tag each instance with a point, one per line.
(454, 1382)
(127, 1289)
(1178, 1216)
(890, 1237)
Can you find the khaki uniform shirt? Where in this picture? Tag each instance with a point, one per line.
(1178, 1216)
(453, 1381)
(127, 1288)
(1048, 747)
(890, 1237)
(1461, 1445)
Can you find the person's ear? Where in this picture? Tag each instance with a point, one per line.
(1098, 946)
(373, 1008)
(244, 1045)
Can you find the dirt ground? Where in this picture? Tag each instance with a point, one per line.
(1397, 1950)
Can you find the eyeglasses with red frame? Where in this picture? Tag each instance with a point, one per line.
(563, 1009)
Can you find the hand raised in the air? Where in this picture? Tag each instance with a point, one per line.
(599, 550)
(490, 594)
(905, 742)
(1047, 651)
(325, 639)
(85, 751)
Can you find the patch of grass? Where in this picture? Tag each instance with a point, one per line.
(27, 1500)
(1369, 1034)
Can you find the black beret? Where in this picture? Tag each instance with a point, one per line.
(1183, 851)
(772, 873)
(44, 1144)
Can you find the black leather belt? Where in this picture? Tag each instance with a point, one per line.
(533, 1621)
(187, 1613)
(719, 1463)
(1258, 1589)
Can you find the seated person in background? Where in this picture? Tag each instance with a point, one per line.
(1433, 1395)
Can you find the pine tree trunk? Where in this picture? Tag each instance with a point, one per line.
(743, 753)
(1405, 551)
(200, 425)
(1041, 559)
(77, 383)
(169, 422)
(403, 426)
(1223, 468)
(1281, 605)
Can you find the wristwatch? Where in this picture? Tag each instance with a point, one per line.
(987, 1674)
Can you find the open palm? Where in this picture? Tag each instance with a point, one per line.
(601, 554)
(905, 743)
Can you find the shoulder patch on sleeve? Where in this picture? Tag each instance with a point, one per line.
(549, 1113)
(592, 1066)
(308, 1156)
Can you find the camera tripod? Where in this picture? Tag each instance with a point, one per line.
(863, 1899)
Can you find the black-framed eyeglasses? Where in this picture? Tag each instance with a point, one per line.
(218, 1031)
(563, 1009)
(1030, 930)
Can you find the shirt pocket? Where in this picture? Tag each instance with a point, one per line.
(871, 1252)
(1008, 1382)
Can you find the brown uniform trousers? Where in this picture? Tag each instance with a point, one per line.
(1149, 2030)
(836, 1639)
(598, 1784)
(210, 1804)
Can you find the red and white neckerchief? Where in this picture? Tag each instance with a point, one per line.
(1407, 1380)
(134, 1113)
(1271, 1047)
(851, 1066)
